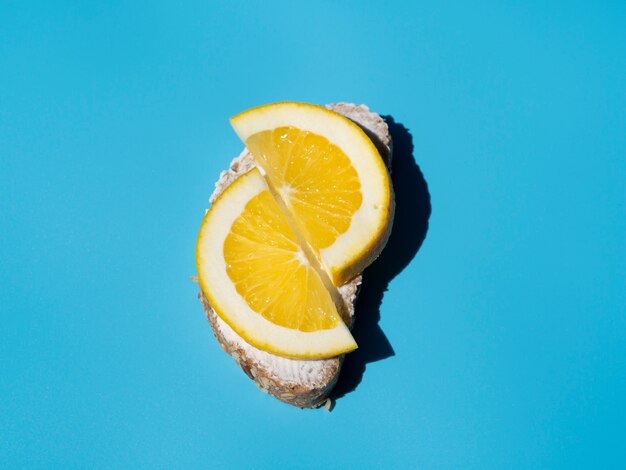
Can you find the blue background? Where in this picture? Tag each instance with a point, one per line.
(508, 327)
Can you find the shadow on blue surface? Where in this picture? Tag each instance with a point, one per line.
(409, 231)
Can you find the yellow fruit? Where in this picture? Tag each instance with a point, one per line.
(329, 177)
(259, 280)
(277, 241)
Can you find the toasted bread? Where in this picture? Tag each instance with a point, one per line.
(303, 383)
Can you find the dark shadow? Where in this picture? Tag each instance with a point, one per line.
(408, 233)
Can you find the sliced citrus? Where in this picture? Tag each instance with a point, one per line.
(258, 279)
(330, 178)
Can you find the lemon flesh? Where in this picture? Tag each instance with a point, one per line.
(315, 179)
(271, 272)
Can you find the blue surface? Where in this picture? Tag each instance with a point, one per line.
(507, 328)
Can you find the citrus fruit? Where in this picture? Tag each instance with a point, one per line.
(329, 178)
(259, 279)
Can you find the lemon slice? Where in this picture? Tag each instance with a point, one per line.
(330, 178)
(259, 280)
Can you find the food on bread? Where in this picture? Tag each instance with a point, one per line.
(299, 381)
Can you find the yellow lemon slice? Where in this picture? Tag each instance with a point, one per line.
(259, 280)
(329, 177)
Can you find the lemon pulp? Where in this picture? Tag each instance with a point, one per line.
(270, 271)
(315, 179)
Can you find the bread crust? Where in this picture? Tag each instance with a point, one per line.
(302, 383)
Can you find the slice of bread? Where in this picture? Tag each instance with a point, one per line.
(303, 383)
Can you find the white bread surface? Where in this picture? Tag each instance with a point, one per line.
(302, 383)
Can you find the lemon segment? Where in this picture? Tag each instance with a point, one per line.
(261, 247)
(315, 179)
(258, 279)
(330, 178)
